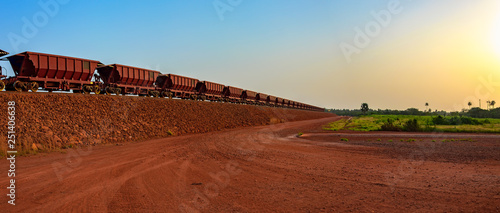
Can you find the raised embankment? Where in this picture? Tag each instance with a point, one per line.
(50, 121)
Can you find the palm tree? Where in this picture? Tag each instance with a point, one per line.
(488, 103)
(492, 103)
(426, 106)
(364, 108)
(470, 104)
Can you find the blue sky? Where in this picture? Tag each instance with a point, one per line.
(284, 48)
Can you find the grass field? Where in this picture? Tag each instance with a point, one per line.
(375, 122)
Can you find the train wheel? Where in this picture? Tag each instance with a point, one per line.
(87, 89)
(18, 86)
(2, 85)
(97, 89)
(33, 86)
(168, 94)
(118, 91)
(108, 91)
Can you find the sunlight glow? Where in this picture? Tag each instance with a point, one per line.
(496, 36)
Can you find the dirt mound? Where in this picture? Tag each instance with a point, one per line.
(46, 121)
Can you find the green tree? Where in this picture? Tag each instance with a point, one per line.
(492, 103)
(470, 104)
(364, 108)
(426, 106)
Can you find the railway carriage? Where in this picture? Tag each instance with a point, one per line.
(171, 85)
(212, 91)
(249, 97)
(121, 79)
(233, 94)
(49, 72)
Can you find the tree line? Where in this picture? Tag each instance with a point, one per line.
(474, 112)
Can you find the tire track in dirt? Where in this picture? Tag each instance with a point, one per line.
(254, 169)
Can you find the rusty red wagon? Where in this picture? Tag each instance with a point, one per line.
(250, 97)
(122, 79)
(271, 100)
(286, 103)
(261, 98)
(51, 72)
(171, 85)
(211, 91)
(279, 101)
(233, 94)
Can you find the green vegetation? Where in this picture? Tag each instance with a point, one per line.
(299, 134)
(474, 112)
(365, 123)
(344, 139)
(335, 126)
(417, 123)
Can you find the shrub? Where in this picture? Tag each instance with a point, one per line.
(390, 126)
(439, 120)
(411, 125)
(455, 120)
(344, 139)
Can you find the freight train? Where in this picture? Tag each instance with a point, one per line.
(34, 71)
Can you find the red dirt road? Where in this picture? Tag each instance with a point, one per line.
(262, 169)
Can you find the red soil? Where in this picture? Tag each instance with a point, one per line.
(264, 169)
(47, 121)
